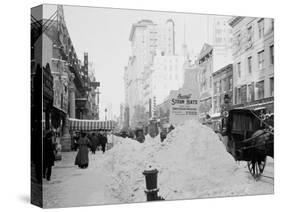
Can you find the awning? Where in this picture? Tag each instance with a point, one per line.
(90, 125)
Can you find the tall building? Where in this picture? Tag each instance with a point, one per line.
(253, 55)
(146, 38)
(167, 74)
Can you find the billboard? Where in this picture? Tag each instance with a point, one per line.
(183, 107)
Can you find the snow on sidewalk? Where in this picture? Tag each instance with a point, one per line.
(71, 186)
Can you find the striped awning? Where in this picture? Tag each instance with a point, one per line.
(90, 125)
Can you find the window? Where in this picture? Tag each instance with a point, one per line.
(224, 84)
(239, 69)
(215, 88)
(218, 39)
(250, 28)
(230, 83)
(250, 33)
(261, 28)
(261, 59)
(250, 64)
(271, 84)
(238, 39)
(271, 52)
(218, 87)
(239, 95)
(260, 89)
(249, 93)
(218, 31)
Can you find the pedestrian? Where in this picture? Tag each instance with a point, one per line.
(94, 143)
(103, 141)
(76, 138)
(140, 135)
(48, 155)
(82, 157)
(163, 134)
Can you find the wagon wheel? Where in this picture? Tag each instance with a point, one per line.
(256, 167)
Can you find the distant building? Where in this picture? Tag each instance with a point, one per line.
(165, 75)
(205, 62)
(253, 55)
(146, 38)
(222, 85)
(219, 32)
(189, 86)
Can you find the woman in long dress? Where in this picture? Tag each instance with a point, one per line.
(82, 157)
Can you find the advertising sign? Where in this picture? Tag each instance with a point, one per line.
(182, 108)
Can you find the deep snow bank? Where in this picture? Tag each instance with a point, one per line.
(192, 163)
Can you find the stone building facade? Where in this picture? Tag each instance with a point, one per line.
(253, 55)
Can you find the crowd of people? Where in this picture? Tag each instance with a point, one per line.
(86, 141)
(140, 133)
(82, 141)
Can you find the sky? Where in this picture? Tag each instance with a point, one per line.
(104, 34)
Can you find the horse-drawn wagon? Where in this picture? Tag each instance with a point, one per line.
(249, 136)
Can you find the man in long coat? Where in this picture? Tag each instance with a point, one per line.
(94, 141)
(103, 141)
(48, 155)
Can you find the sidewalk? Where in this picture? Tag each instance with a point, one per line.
(71, 186)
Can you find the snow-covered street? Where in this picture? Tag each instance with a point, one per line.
(192, 163)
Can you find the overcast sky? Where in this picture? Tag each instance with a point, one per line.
(104, 34)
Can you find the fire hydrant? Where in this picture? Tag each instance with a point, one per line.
(151, 184)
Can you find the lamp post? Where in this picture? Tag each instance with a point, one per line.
(105, 111)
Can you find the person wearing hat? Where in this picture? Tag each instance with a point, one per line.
(225, 107)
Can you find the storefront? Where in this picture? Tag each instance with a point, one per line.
(48, 96)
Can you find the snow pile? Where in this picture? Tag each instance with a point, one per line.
(192, 163)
